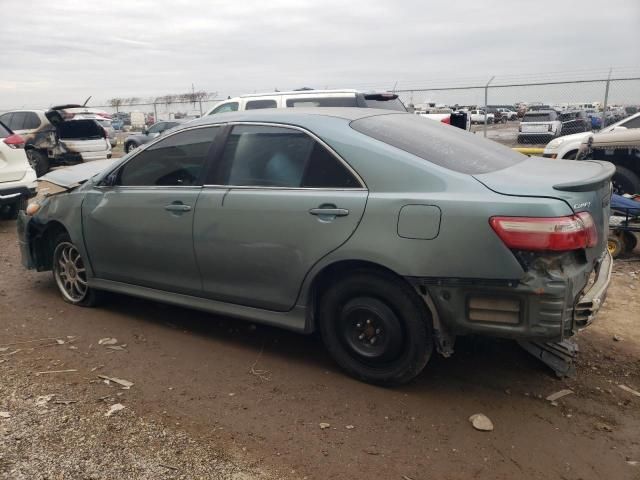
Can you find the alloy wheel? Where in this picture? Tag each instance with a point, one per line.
(69, 272)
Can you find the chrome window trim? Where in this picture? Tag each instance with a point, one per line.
(363, 185)
(257, 187)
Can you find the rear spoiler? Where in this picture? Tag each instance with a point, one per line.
(606, 172)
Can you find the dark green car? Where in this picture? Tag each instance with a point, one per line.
(387, 233)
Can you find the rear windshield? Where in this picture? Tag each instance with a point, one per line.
(322, 102)
(4, 131)
(384, 101)
(537, 117)
(444, 145)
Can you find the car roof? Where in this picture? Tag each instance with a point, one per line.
(295, 116)
(308, 92)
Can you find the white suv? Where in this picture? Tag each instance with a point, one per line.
(311, 98)
(567, 147)
(538, 126)
(17, 178)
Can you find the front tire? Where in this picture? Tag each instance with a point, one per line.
(375, 327)
(129, 147)
(70, 275)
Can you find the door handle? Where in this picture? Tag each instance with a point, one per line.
(177, 207)
(333, 212)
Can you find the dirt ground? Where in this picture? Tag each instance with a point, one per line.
(218, 398)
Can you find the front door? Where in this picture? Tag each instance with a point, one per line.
(281, 201)
(138, 229)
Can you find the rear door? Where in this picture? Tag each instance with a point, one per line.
(278, 202)
(139, 230)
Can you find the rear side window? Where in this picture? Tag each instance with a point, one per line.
(267, 156)
(178, 160)
(443, 145)
(31, 121)
(322, 102)
(17, 121)
(257, 104)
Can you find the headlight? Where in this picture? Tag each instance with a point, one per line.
(556, 143)
(33, 208)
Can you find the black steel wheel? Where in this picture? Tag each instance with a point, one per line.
(376, 328)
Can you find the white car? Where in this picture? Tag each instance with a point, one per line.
(567, 147)
(477, 116)
(17, 178)
(539, 126)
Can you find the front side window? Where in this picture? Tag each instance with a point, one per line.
(268, 156)
(226, 107)
(177, 160)
(6, 118)
(257, 104)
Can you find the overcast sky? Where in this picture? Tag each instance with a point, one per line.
(63, 51)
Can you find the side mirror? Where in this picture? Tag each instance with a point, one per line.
(145, 131)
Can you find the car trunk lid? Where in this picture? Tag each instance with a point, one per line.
(585, 186)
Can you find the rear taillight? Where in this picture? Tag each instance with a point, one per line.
(14, 141)
(549, 233)
(446, 120)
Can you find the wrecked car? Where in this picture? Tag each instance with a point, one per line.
(63, 135)
(620, 147)
(388, 235)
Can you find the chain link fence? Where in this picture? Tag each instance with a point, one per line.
(531, 114)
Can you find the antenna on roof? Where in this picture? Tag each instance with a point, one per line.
(87, 101)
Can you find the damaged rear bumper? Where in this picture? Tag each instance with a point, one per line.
(545, 305)
(595, 294)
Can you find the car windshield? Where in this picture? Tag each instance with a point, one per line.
(537, 117)
(443, 145)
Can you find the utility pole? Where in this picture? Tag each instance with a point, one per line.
(606, 98)
(486, 101)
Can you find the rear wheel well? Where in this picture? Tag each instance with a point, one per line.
(43, 244)
(327, 276)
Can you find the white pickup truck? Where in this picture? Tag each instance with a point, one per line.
(477, 116)
(448, 116)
